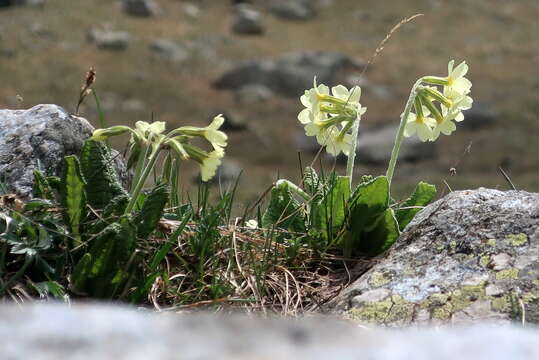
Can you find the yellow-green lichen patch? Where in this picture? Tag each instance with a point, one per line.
(438, 299)
(463, 297)
(528, 297)
(507, 274)
(375, 312)
(535, 283)
(491, 242)
(484, 260)
(517, 239)
(502, 304)
(378, 279)
(402, 311)
(441, 312)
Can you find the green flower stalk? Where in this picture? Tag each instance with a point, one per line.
(444, 106)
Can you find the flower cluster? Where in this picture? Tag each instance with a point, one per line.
(146, 135)
(330, 116)
(430, 120)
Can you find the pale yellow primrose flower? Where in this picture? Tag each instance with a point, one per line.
(311, 98)
(422, 125)
(324, 113)
(455, 78)
(338, 143)
(209, 166)
(217, 138)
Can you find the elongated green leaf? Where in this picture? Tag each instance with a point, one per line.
(421, 197)
(103, 270)
(152, 210)
(73, 195)
(80, 273)
(311, 181)
(97, 167)
(329, 213)
(42, 188)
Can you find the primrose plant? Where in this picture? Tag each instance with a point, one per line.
(364, 220)
(148, 141)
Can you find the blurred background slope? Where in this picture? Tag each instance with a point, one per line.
(185, 61)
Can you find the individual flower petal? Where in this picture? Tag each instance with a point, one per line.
(209, 166)
(217, 138)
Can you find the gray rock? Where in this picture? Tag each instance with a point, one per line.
(290, 74)
(375, 145)
(471, 256)
(105, 332)
(109, 39)
(39, 138)
(169, 50)
(233, 121)
(294, 9)
(192, 10)
(479, 116)
(253, 93)
(247, 20)
(141, 8)
(36, 3)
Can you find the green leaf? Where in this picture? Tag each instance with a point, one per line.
(283, 211)
(38, 205)
(380, 236)
(368, 205)
(311, 181)
(105, 268)
(421, 197)
(47, 288)
(73, 195)
(329, 213)
(152, 210)
(42, 188)
(103, 184)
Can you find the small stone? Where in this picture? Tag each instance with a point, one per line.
(169, 50)
(111, 40)
(493, 290)
(371, 296)
(253, 93)
(141, 8)
(233, 122)
(191, 10)
(500, 261)
(294, 9)
(247, 20)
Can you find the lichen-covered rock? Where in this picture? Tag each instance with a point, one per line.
(39, 138)
(88, 332)
(471, 256)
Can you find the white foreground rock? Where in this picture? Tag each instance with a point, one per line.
(106, 332)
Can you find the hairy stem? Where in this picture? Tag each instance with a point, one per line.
(352, 156)
(400, 133)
